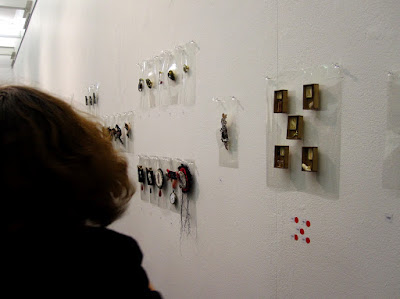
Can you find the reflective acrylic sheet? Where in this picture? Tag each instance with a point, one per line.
(143, 161)
(91, 99)
(391, 161)
(172, 75)
(163, 163)
(322, 129)
(162, 199)
(175, 76)
(110, 122)
(185, 203)
(151, 82)
(229, 106)
(142, 82)
(124, 142)
(161, 62)
(127, 119)
(177, 206)
(150, 166)
(189, 76)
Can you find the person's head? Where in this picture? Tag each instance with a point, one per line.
(56, 164)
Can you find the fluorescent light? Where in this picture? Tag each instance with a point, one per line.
(11, 27)
(14, 19)
(6, 51)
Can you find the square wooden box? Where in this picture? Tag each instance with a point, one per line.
(311, 97)
(295, 127)
(309, 159)
(281, 157)
(281, 101)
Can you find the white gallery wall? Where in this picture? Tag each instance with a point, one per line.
(241, 243)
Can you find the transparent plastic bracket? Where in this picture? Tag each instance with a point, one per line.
(142, 162)
(120, 128)
(91, 98)
(227, 133)
(391, 160)
(322, 129)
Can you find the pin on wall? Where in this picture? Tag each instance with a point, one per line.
(301, 226)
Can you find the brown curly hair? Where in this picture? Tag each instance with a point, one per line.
(57, 163)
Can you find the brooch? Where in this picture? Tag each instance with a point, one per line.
(128, 129)
(224, 131)
(150, 177)
(159, 180)
(185, 178)
(171, 75)
(118, 133)
(141, 176)
(140, 85)
(149, 83)
(173, 177)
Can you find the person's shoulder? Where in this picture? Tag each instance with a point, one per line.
(112, 241)
(104, 232)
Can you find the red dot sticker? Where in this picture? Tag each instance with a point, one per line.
(296, 237)
(308, 240)
(308, 223)
(296, 219)
(301, 231)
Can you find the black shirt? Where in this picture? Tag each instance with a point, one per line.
(75, 263)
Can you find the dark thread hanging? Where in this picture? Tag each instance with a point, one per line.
(185, 219)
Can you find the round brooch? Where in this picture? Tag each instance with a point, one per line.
(159, 178)
(185, 178)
